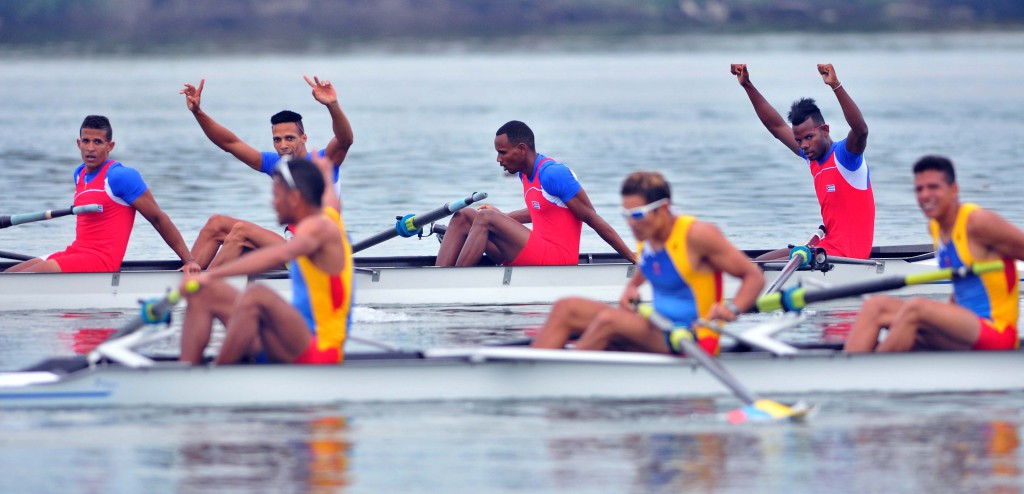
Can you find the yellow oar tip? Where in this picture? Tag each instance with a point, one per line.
(192, 286)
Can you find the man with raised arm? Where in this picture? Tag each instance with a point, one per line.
(101, 239)
(683, 258)
(556, 204)
(983, 310)
(842, 180)
(262, 326)
(233, 236)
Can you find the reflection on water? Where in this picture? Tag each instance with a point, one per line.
(860, 443)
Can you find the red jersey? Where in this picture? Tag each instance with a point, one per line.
(847, 202)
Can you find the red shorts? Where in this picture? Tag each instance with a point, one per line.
(83, 261)
(540, 252)
(991, 338)
(314, 355)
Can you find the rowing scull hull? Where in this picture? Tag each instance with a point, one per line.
(410, 281)
(496, 373)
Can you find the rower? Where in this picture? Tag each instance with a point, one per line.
(682, 257)
(262, 326)
(101, 238)
(982, 312)
(841, 177)
(556, 204)
(232, 236)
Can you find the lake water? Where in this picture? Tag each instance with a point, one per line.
(424, 122)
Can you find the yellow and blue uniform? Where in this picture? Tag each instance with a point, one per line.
(325, 301)
(681, 293)
(992, 296)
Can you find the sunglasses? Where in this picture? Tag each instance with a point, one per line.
(284, 166)
(641, 212)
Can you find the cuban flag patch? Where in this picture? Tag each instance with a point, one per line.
(830, 188)
(536, 205)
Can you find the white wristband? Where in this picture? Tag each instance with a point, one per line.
(837, 87)
(732, 307)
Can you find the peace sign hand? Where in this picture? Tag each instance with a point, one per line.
(323, 91)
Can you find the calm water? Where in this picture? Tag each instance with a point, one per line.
(422, 119)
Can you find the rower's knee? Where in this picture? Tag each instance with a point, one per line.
(217, 226)
(240, 233)
(253, 297)
(603, 325)
(912, 310)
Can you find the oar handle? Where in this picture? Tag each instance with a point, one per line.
(17, 219)
(154, 311)
(411, 223)
(798, 298)
(800, 256)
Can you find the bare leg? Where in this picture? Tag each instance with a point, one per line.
(37, 265)
(773, 255)
(455, 237)
(931, 325)
(244, 236)
(210, 238)
(214, 300)
(568, 318)
(876, 313)
(261, 314)
(623, 329)
(508, 235)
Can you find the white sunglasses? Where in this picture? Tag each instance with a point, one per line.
(641, 212)
(284, 166)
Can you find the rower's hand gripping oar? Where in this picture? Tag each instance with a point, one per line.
(795, 299)
(153, 311)
(799, 256)
(18, 219)
(412, 224)
(755, 407)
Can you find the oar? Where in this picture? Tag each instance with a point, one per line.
(14, 255)
(800, 256)
(411, 224)
(798, 298)
(17, 219)
(154, 311)
(755, 407)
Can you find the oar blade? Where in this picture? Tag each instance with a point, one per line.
(764, 410)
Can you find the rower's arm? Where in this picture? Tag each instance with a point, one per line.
(228, 141)
(720, 255)
(580, 206)
(521, 215)
(996, 234)
(857, 139)
(272, 257)
(146, 204)
(770, 118)
(337, 148)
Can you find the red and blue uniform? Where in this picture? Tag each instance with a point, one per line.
(681, 293)
(994, 297)
(842, 182)
(269, 160)
(325, 302)
(555, 239)
(101, 239)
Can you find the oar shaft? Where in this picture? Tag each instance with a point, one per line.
(694, 351)
(419, 220)
(798, 298)
(157, 311)
(799, 258)
(18, 219)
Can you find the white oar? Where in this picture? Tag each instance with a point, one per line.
(411, 224)
(756, 408)
(799, 256)
(17, 219)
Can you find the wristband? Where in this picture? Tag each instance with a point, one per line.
(732, 307)
(837, 87)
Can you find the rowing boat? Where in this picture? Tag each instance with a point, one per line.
(413, 280)
(503, 373)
